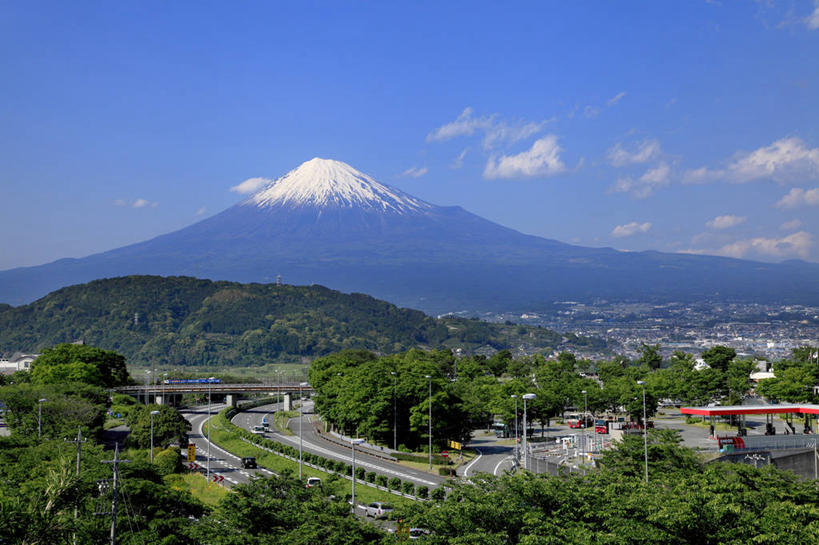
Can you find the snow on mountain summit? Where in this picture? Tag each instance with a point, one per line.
(328, 183)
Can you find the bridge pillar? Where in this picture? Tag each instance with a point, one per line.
(231, 399)
(161, 400)
(286, 401)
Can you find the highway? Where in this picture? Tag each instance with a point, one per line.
(493, 457)
(317, 445)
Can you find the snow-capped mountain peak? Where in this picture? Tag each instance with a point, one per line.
(327, 183)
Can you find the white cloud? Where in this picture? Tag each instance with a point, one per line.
(251, 185)
(797, 244)
(591, 112)
(414, 172)
(141, 203)
(464, 125)
(542, 159)
(812, 20)
(137, 203)
(645, 185)
(459, 160)
(616, 98)
(495, 131)
(791, 225)
(641, 152)
(201, 211)
(726, 222)
(799, 197)
(120, 202)
(785, 160)
(630, 229)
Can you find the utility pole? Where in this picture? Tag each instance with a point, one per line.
(115, 466)
(79, 440)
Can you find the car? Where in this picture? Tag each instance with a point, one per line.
(313, 481)
(418, 533)
(379, 510)
(258, 430)
(249, 462)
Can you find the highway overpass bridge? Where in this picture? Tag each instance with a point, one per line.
(170, 394)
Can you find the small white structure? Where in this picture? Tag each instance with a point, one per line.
(17, 362)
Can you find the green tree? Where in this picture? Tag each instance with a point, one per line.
(71, 361)
(719, 357)
(169, 426)
(650, 356)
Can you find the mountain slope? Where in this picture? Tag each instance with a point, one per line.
(329, 224)
(187, 321)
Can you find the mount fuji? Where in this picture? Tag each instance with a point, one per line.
(327, 223)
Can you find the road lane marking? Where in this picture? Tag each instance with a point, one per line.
(470, 464)
(495, 472)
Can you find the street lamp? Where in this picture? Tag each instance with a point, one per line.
(525, 398)
(154, 413)
(517, 454)
(165, 388)
(585, 421)
(645, 426)
(147, 377)
(394, 413)
(40, 417)
(210, 382)
(355, 442)
(429, 377)
(301, 423)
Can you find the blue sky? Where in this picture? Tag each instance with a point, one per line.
(672, 126)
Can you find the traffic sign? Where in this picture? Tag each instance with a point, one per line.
(218, 478)
(191, 452)
(444, 454)
(193, 466)
(456, 445)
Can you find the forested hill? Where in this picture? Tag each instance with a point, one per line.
(187, 321)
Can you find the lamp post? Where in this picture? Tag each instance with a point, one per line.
(40, 417)
(210, 382)
(585, 421)
(517, 453)
(301, 423)
(147, 377)
(394, 413)
(354, 443)
(165, 388)
(525, 397)
(154, 413)
(429, 417)
(645, 427)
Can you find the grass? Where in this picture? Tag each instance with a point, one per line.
(468, 455)
(195, 483)
(281, 418)
(111, 422)
(231, 442)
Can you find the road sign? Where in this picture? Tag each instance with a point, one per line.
(455, 445)
(191, 452)
(193, 466)
(218, 478)
(444, 454)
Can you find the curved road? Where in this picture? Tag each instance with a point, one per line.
(316, 445)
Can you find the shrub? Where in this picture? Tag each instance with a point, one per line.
(408, 488)
(394, 483)
(168, 461)
(370, 477)
(422, 492)
(381, 480)
(359, 473)
(438, 494)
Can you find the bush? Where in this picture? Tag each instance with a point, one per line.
(446, 471)
(408, 488)
(394, 483)
(168, 461)
(370, 477)
(381, 480)
(359, 473)
(439, 494)
(422, 492)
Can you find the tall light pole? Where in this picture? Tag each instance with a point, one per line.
(301, 423)
(165, 388)
(147, 377)
(645, 426)
(394, 413)
(355, 442)
(429, 417)
(517, 453)
(40, 417)
(585, 421)
(154, 413)
(525, 398)
(210, 382)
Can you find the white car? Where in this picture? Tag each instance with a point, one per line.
(379, 510)
(258, 430)
(313, 481)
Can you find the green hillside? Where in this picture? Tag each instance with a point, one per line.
(176, 321)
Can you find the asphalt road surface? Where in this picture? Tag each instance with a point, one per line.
(317, 445)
